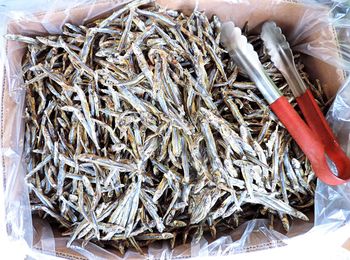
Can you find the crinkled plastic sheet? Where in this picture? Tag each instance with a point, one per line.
(332, 204)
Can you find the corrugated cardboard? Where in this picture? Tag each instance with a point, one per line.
(286, 14)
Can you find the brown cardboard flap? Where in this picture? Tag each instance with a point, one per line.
(286, 14)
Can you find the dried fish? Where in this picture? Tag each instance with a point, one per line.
(139, 126)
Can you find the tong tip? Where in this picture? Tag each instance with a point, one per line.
(233, 39)
(275, 42)
(226, 32)
(281, 55)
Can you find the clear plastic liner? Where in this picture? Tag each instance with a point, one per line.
(332, 204)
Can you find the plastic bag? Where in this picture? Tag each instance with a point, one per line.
(332, 204)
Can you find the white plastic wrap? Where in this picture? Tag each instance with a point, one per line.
(332, 204)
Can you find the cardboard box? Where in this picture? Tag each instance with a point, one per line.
(287, 14)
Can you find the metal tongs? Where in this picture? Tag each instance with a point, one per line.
(314, 137)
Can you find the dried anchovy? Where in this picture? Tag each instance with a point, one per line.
(139, 127)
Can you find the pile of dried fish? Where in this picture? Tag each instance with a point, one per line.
(139, 127)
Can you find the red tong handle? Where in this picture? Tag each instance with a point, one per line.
(309, 138)
(318, 124)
